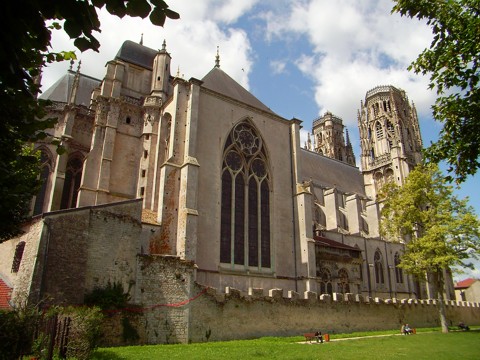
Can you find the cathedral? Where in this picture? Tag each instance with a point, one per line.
(203, 171)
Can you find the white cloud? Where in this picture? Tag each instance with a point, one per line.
(192, 42)
(355, 46)
(278, 66)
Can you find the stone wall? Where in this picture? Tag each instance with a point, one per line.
(173, 308)
(234, 315)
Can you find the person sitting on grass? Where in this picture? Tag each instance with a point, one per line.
(462, 326)
(408, 330)
(319, 336)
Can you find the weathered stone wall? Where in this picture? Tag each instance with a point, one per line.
(173, 308)
(164, 283)
(234, 315)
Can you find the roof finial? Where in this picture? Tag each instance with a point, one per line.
(217, 59)
(348, 138)
(71, 65)
(141, 40)
(78, 67)
(164, 45)
(178, 71)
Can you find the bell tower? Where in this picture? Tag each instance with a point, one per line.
(329, 140)
(390, 138)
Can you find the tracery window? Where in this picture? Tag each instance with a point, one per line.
(398, 270)
(379, 130)
(325, 281)
(73, 178)
(343, 286)
(245, 209)
(379, 277)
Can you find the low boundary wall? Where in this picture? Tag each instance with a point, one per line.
(176, 309)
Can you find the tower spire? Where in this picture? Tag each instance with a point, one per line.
(141, 40)
(217, 59)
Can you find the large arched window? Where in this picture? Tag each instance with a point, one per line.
(398, 270)
(379, 277)
(245, 218)
(73, 177)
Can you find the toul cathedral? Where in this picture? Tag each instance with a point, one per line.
(194, 192)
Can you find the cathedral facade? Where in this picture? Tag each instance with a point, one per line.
(222, 181)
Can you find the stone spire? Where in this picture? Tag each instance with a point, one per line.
(76, 81)
(217, 59)
(141, 40)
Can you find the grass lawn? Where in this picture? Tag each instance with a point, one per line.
(423, 345)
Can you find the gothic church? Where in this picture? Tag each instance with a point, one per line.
(203, 171)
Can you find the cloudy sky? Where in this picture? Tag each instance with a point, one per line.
(299, 57)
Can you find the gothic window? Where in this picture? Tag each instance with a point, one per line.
(167, 137)
(44, 174)
(73, 177)
(343, 286)
(390, 127)
(389, 175)
(378, 263)
(379, 130)
(245, 209)
(17, 258)
(398, 270)
(325, 281)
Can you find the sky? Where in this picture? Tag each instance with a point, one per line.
(301, 58)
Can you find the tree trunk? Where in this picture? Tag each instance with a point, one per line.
(439, 285)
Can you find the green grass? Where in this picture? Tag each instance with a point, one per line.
(424, 345)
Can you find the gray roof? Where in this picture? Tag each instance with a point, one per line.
(61, 90)
(137, 54)
(217, 80)
(331, 173)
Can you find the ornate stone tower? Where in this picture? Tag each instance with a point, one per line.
(390, 137)
(329, 140)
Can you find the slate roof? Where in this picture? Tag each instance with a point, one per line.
(465, 283)
(332, 243)
(331, 173)
(217, 80)
(5, 292)
(137, 54)
(61, 90)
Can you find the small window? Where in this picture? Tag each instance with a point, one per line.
(147, 137)
(145, 153)
(142, 191)
(144, 172)
(17, 259)
(128, 120)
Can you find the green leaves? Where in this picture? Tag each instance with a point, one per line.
(453, 64)
(442, 231)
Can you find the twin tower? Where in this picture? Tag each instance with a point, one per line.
(390, 139)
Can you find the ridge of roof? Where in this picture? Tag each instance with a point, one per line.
(219, 81)
(137, 54)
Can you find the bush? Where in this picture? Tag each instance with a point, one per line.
(16, 333)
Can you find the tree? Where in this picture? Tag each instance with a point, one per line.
(442, 230)
(24, 50)
(453, 64)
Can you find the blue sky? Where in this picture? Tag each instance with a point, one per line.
(299, 57)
